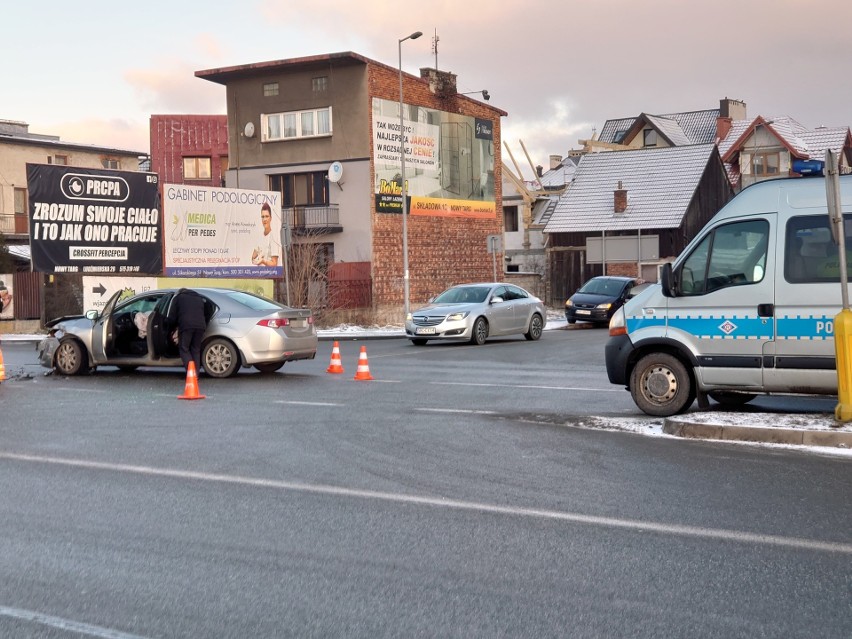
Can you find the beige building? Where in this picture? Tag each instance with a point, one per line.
(18, 147)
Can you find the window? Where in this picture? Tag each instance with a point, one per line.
(731, 255)
(810, 254)
(649, 137)
(61, 160)
(320, 84)
(301, 189)
(270, 89)
(619, 136)
(510, 219)
(110, 163)
(196, 168)
(20, 201)
(296, 124)
(766, 163)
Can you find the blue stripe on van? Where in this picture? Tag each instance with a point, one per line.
(720, 327)
(809, 327)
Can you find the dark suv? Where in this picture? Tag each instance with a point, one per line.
(599, 298)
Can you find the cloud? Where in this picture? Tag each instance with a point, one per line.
(130, 135)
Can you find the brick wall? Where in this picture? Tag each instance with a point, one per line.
(627, 269)
(442, 251)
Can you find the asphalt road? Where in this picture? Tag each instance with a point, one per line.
(451, 496)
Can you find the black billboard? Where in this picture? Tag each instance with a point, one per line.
(94, 220)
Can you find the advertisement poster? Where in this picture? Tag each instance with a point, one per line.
(94, 220)
(216, 232)
(7, 294)
(449, 162)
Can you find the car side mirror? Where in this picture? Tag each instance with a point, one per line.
(496, 300)
(667, 280)
(92, 315)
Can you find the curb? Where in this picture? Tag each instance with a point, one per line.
(769, 435)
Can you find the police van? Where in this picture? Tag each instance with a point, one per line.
(747, 309)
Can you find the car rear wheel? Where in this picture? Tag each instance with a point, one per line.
(419, 342)
(535, 329)
(220, 358)
(69, 358)
(731, 399)
(660, 385)
(269, 367)
(480, 331)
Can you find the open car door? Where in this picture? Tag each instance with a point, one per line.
(103, 332)
(160, 327)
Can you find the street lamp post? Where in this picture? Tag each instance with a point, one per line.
(413, 36)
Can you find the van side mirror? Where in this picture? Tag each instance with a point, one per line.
(667, 280)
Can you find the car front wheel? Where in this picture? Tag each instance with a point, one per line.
(661, 386)
(480, 331)
(220, 358)
(535, 328)
(69, 357)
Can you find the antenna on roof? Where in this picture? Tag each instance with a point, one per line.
(435, 39)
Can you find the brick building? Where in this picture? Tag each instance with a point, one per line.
(189, 149)
(324, 131)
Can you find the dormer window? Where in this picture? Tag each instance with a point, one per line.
(649, 137)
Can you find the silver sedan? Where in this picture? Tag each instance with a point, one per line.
(475, 312)
(243, 330)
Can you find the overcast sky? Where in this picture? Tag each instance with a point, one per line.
(95, 71)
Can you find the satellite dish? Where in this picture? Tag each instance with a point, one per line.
(335, 172)
(249, 130)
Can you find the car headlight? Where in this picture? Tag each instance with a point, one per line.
(408, 317)
(604, 307)
(455, 317)
(569, 303)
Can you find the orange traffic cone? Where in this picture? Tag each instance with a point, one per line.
(336, 365)
(363, 372)
(2, 368)
(190, 391)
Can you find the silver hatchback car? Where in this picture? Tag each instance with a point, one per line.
(475, 312)
(243, 330)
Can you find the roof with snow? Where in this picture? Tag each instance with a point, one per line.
(660, 184)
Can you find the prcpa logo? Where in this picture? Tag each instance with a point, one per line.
(102, 188)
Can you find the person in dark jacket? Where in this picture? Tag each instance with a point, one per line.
(188, 308)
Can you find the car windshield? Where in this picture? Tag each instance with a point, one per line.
(254, 302)
(464, 295)
(596, 286)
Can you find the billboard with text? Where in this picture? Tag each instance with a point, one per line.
(449, 161)
(94, 220)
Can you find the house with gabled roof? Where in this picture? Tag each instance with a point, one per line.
(628, 212)
(673, 129)
(771, 147)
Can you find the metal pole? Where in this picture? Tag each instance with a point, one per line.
(405, 278)
(494, 257)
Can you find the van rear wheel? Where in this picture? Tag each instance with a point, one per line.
(661, 386)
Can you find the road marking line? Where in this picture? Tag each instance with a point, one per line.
(568, 388)
(283, 401)
(715, 534)
(65, 624)
(455, 410)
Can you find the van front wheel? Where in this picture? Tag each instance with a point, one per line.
(660, 385)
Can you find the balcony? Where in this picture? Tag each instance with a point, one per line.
(14, 225)
(314, 220)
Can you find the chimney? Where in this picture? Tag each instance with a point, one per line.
(723, 127)
(539, 170)
(732, 109)
(441, 83)
(555, 161)
(620, 199)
